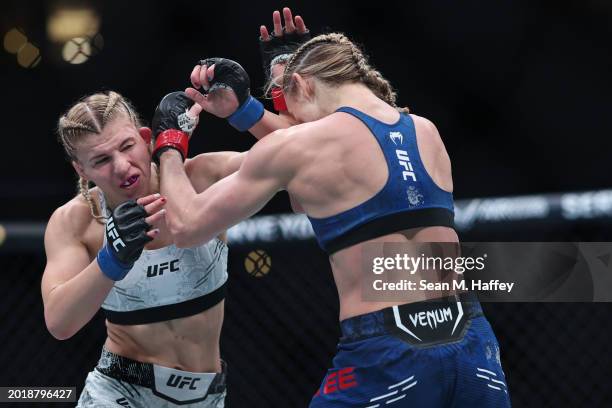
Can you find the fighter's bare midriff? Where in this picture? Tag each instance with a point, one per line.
(189, 343)
(347, 268)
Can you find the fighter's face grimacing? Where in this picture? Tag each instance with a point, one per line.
(118, 160)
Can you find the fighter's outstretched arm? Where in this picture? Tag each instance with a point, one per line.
(196, 218)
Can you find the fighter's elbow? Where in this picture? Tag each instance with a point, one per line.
(177, 228)
(58, 329)
(60, 335)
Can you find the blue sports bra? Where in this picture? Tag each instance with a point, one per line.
(409, 198)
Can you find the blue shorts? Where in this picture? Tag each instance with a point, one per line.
(439, 353)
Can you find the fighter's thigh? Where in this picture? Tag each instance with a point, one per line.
(481, 380)
(103, 391)
(380, 372)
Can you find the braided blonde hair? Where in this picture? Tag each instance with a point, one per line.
(89, 116)
(334, 59)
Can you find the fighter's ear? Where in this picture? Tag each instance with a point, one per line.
(304, 85)
(145, 133)
(78, 168)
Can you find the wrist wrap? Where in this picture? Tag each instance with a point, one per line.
(171, 139)
(247, 115)
(111, 266)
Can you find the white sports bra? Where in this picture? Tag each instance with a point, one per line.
(168, 283)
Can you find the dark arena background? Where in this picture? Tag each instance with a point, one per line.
(520, 91)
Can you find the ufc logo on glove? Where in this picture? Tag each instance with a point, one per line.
(112, 232)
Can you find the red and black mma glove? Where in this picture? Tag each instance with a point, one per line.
(230, 75)
(126, 236)
(171, 125)
(278, 50)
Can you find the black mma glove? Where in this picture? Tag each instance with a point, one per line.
(278, 49)
(230, 75)
(126, 236)
(171, 125)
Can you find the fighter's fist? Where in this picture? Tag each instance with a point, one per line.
(226, 92)
(173, 122)
(126, 236)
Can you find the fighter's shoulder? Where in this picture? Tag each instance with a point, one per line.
(425, 126)
(73, 219)
(295, 145)
(308, 133)
(277, 153)
(328, 130)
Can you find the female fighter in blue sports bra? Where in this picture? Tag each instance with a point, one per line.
(364, 173)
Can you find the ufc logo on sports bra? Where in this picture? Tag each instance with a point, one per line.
(404, 161)
(159, 269)
(112, 233)
(179, 381)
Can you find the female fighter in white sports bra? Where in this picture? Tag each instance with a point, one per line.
(164, 305)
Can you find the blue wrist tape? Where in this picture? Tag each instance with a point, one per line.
(110, 266)
(246, 115)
